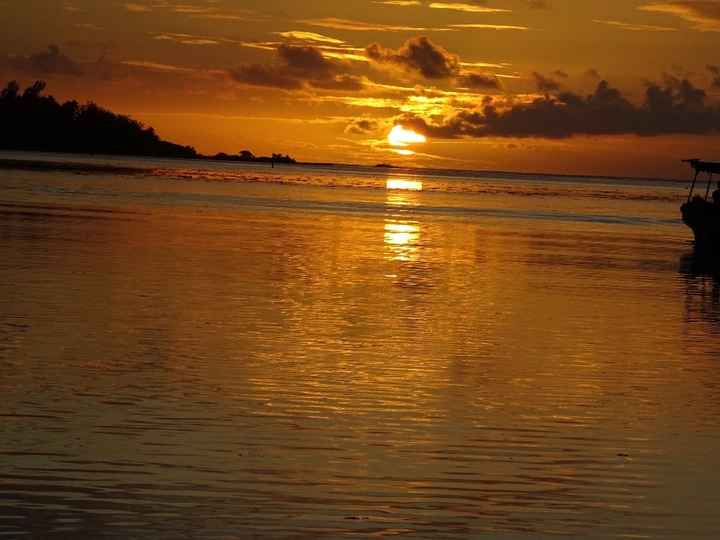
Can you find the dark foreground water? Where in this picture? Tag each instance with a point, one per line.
(219, 351)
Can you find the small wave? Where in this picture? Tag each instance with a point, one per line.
(430, 185)
(77, 167)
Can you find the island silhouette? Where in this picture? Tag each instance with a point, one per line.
(33, 121)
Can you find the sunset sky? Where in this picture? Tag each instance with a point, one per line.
(611, 87)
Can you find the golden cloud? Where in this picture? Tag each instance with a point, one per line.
(635, 27)
(704, 14)
(469, 8)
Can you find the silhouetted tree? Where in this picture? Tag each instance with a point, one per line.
(247, 155)
(33, 121)
(10, 92)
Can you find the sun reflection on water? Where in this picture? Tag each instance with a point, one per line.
(401, 240)
(403, 192)
(403, 184)
(402, 236)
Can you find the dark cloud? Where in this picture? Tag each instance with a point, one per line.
(259, 75)
(306, 60)
(478, 81)
(593, 73)
(361, 127)
(673, 107)
(50, 62)
(420, 56)
(417, 55)
(560, 73)
(715, 71)
(299, 67)
(545, 84)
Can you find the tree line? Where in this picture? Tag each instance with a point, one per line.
(36, 122)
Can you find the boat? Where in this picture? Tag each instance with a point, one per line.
(699, 213)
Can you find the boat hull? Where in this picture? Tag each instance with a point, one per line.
(703, 218)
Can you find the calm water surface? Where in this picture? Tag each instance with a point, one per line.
(227, 351)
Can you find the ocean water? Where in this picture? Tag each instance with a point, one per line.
(217, 351)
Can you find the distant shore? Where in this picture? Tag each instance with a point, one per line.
(85, 167)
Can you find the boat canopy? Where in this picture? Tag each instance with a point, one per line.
(700, 166)
(710, 167)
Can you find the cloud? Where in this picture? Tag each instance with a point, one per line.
(479, 26)
(593, 73)
(402, 3)
(53, 63)
(189, 9)
(155, 66)
(469, 8)
(50, 62)
(137, 8)
(353, 54)
(349, 83)
(417, 55)
(673, 107)
(299, 67)
(308, 61)
(207, 11)
(421, 57)
(187, 39)
(362, 126)
(704, 14)
(192, 39)
(309, 36)
(635, 27)
(259, 75)
(546, 84)
(478, 81)
(358, 26)
(485, 64)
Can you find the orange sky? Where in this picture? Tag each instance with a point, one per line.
(494, 84)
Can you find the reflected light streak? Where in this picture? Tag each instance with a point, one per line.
(403, 184)
(401, 240)
(401, 236)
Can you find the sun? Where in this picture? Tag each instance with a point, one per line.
(399, 136)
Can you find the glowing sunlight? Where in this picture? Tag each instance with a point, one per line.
(399, 136)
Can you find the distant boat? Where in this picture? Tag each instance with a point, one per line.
(701, 214)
